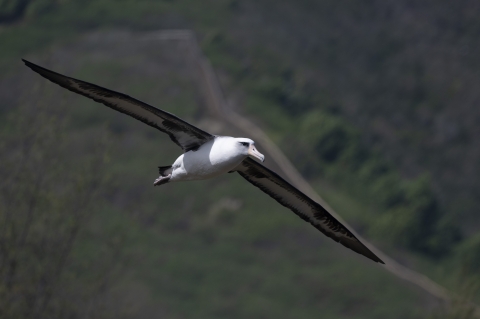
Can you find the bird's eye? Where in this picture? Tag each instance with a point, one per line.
(244, 144)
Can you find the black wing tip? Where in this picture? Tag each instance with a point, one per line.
(358, 247)
(364, 251)
(33, 66)
(376, 259)
(28, 63)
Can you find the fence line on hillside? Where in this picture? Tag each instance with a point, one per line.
(217, 106)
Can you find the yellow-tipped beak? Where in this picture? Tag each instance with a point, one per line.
(252, 152)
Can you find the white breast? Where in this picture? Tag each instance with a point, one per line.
(213, 158)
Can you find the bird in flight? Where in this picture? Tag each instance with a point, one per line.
(206, 156)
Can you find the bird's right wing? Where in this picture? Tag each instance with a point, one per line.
(185, 135)
(302, 205)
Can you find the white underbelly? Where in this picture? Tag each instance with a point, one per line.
(203, 164)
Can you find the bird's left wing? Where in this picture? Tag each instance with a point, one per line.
(302, 205)
(185, 135)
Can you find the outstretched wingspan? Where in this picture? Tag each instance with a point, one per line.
(302, 205)
(185, 135)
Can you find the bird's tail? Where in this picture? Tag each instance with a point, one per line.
(165, 175)
(165, 170)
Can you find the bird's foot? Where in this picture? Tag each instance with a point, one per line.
(162, 180)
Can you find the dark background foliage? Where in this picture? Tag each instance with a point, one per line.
(375, 102)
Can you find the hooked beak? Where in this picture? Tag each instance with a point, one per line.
(252, 152)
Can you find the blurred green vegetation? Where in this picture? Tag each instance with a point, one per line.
(246, 262)
(47, 201)
(463, 301)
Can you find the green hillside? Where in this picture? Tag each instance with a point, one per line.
(314, 76)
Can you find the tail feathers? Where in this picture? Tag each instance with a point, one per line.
(165, 170)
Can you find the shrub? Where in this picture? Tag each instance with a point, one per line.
(409, 214)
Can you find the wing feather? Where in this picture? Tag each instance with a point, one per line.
(185, 135)
(302, 205)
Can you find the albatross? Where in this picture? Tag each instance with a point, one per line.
(206, 156)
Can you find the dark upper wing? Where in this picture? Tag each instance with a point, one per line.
(307, 209)
(185, 135)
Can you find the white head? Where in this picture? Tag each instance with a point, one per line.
(247, 147)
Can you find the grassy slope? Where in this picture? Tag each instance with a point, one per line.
(188, 274)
